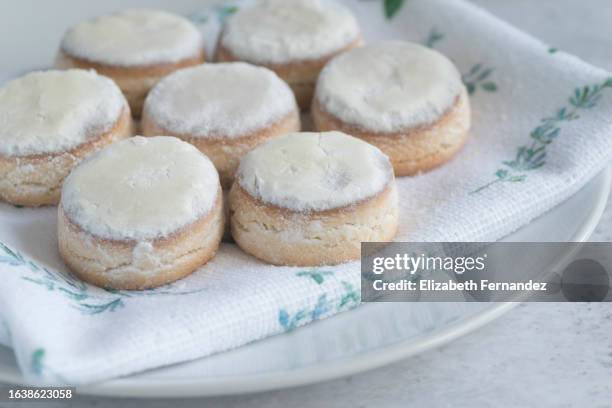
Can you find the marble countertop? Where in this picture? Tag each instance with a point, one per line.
(537, 355)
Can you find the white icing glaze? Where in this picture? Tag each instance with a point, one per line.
(134, 37)
(314, 171)
(279, 31)
(389, 86)
(140, 189)
(219, 100)
(54, 111)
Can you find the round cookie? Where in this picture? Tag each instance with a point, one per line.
(141, 213)
(136, 48)
(310, 199)
(406, 99)
(49, 121)
(225, 110)
(293, 38)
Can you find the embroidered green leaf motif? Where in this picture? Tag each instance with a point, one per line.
(532, 156)
(349, 298)
(392, 7)
(36, 363)
(478, 78)
(65, 284)
(290, 323)
(588, 96)
(38, 367)
(489, 86)
(110, 306)
(434, 37)
(323, 306)
(76, 291)
(10, 257)
(316, 275)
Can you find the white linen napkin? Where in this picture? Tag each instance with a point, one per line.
(542, 127)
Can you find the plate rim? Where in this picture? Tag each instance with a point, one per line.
(249, 383)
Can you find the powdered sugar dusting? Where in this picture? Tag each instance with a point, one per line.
(53, 111)
(219, 100)
(314, 171)
(141, 188)
(278, 31)
(389, 86)
(134, 37)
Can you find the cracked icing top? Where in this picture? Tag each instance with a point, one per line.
(219, 100)
(389, 86)
(314, 171)
(134, 38)
(54, 111)
(279, 31)
(141, 188)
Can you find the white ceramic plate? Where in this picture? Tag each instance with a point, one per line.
(365, 338)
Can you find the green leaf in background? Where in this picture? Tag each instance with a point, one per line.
(392, 7)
